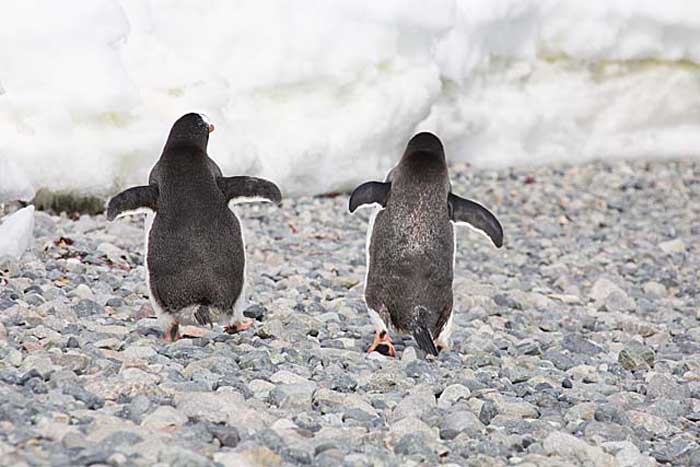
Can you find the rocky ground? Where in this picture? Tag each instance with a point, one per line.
(578, 343)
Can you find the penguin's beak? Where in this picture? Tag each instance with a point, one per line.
(211, 127)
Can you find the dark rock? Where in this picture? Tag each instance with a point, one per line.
(228, 436)
(414, 444)
(86, 308)
(258, 360)
(255, 312)
(72, 343)
(115, 302)
(610, 413)
(79, 393)
(270, 439)
(37, 386)
(487, 412)
(343, 383)
(120, 438)
(578, 344)
(29, 375)
(559, 360)
(297, 456)
(507, 302)
(10, 377)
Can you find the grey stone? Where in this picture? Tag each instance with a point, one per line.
(463, 421)
(180, 457)
(227, 436)
(86, 308)
(163, 417)
(578, 344)
(628, 455)
(452, 394)
(90, 400)
(487, 412)
(663, 386)
(673, 246)
(560, 360)
(416, 403)
(256, 360)
(414, 444)
(576, 450)
(636, 357)
(295, 396)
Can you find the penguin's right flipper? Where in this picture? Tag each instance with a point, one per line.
(476, 216)
(132, 200)
(370, 193)
(244, 188)
(443, 319)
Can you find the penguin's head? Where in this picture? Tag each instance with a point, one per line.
(424, 158)
(191, 129)
(427, 143)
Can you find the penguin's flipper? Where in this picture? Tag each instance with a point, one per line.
(476, 216)
(132, 200)
(442, 341)
(243, 188)
(370, 193)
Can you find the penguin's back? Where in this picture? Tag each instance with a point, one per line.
(411, 253)
(195, 245)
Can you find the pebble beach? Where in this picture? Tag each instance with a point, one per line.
(577, 343)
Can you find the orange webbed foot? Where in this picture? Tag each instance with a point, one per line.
(382, 344)
(238, 327)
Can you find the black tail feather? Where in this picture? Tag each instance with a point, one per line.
(203, 316)
(425, 340)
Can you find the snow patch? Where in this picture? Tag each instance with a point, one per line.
(14, 184)
(16, 232)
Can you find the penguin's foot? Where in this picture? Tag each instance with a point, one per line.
(193, 331)
(173, 332)
(238, 327)
(382, 344)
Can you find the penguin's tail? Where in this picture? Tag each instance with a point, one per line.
(422, 333)
(203, 316)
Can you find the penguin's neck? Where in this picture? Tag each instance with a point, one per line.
(179, 145)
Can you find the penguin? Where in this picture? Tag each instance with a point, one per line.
(411, 246)
(195, 254)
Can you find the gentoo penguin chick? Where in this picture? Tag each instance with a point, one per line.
(195, 256)
(411, 246)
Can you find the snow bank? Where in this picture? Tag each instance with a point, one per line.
(16, 232)
(319, 95)
(14, 184)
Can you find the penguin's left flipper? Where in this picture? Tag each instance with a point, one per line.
(370, 193)
(477, 216)
(242, 188)
(132, 200)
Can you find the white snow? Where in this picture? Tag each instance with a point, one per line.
(14, 184)
(16, 232)
(318, 95)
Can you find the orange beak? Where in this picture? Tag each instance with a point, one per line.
(211, 128)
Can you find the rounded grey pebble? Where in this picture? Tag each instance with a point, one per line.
(487, 412)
